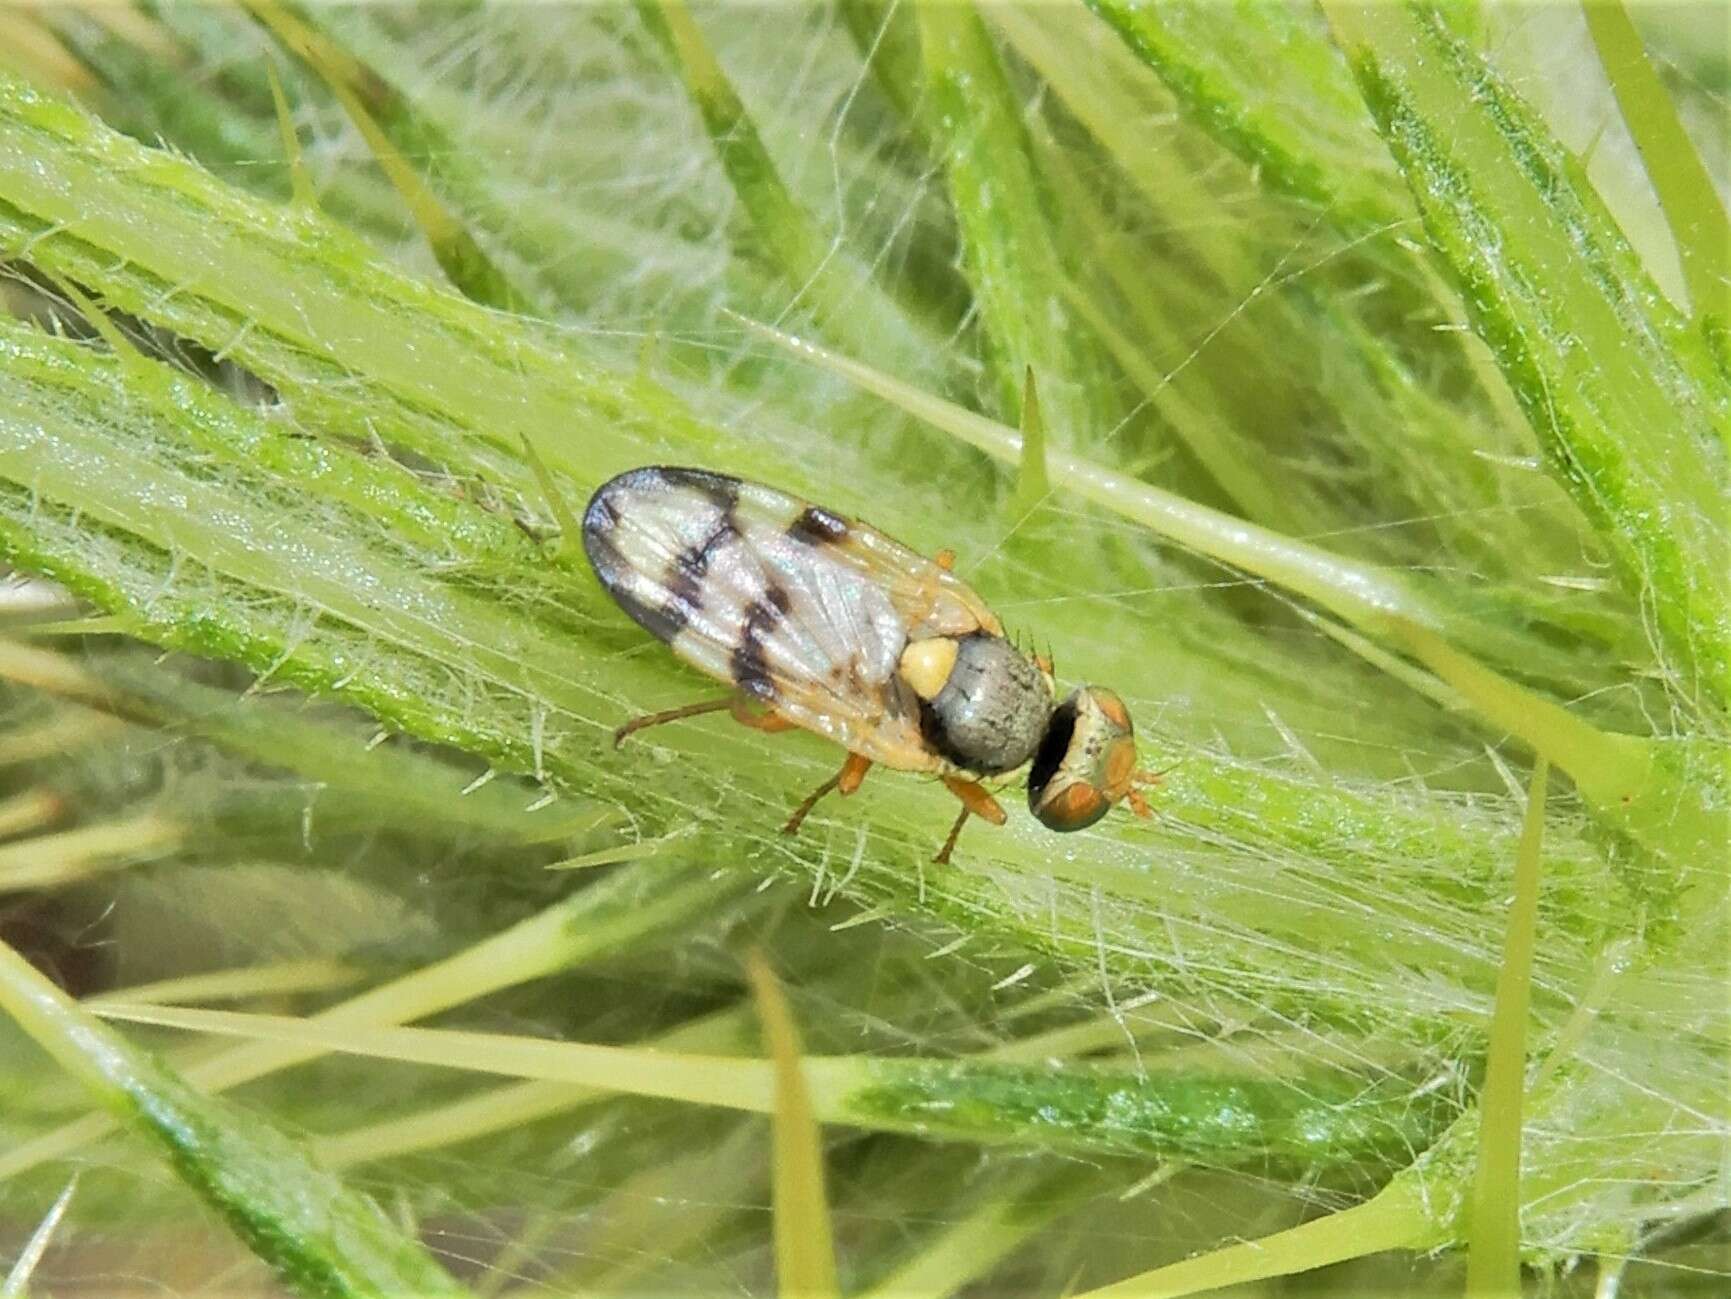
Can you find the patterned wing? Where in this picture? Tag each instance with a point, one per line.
(798, 607)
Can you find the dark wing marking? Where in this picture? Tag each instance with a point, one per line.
(793, 604)
(750, 665)
(818, 526)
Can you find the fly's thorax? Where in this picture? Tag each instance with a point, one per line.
(984, 705)
(1086, 760)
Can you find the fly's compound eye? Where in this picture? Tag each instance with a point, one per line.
(1085, 761)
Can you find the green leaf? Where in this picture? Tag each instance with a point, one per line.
(1373, 597)
(1033, 483)
(1280, 407)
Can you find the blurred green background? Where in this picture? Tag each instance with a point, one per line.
(1382, 371)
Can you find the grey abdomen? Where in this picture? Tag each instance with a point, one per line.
(992, 711)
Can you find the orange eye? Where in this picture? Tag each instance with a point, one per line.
(1109, 704)
(1076, 808)
(1086, 761)
(1120, 763)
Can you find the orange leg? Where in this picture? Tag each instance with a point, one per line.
(976, 799)
(1133, 797)
(853, 772)
(848, 779)
(757, 719)
(975, 802)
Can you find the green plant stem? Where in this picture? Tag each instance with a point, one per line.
(54, 860)
(816, 266)
(1070, 1107)
(1494, 1223)
(1307, 136)
(406, 787)
(275, 978)
(1375, 599)
(455, 248)
(1013, 258)
(283, 291)
(805, 1265)
(614, 914)
(321, 1237)
(1685, 191)
(888, 38)
(500, 1109)
(981, 1237)
(30, 1257)
(1396, 1218)
(1668, 795)
(1625, 399)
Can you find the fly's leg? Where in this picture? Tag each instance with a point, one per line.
(853, 772)
(810, 801)
(845, 781)
(671, 715)
(743, 713)
(975, 802)
(759, 719)
(1138, 804)
(976, 799)
(949, 847)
